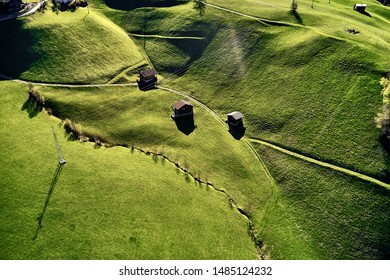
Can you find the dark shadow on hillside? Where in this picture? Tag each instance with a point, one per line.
(192, 48)
(365, 13)
(71, 136)
(16, 48)
(237, 131)
(54, 181)
(32, 107)
(135, 4)
(185, 124)
(297, 16)
(147, 86)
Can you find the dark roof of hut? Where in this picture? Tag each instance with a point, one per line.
(181, 103)
(149, 72)
(236, 115)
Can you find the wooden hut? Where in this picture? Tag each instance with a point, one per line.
(360, 7)
(235, 119)
(147, 79)
(182, 108)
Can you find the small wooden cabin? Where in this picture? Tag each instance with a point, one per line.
(360, 7)
(148, 75)
(182, 108)
(235, 119)
(147, 79)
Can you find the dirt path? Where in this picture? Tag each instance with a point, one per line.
(262, 20)
(66, 85)
(323, 164)
(165, 37)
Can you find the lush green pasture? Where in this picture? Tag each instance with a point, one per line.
(310, 86)
(66, 48)
(313, 88)
(335, 215)
(104, 203)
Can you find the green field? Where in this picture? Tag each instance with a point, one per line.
(303, 82)
(103, 203)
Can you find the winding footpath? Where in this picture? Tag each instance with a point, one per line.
(323, 164)
(165, 36)
(247, 141)
(65, 85)
(261, 20)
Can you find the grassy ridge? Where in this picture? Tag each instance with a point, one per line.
(67, 48)
(342, 217)
(131, 208)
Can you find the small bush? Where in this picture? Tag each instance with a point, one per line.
(72, 130)
(49, 111)
(35, 95)
(382, 119)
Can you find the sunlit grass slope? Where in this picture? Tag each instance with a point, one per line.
(67, 48)
(327, 18)
(104, 203)
(128, 116)
(337, 216)
(312, 87)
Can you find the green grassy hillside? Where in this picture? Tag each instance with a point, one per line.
(303, 82)
(339, 217)
(310, 91)
(103, 203)
(67, 48)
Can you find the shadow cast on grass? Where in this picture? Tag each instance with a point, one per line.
(297, 16)
(385, 142)
(32, 107)
(185, 124)
(54, 181)
(365, 13)
(237, 131)
(16, 48)
(135, 4)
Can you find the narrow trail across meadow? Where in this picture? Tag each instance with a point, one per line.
(166, 36)
(5, 77)
(321, 163)
(261, 20)
(215, 115)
